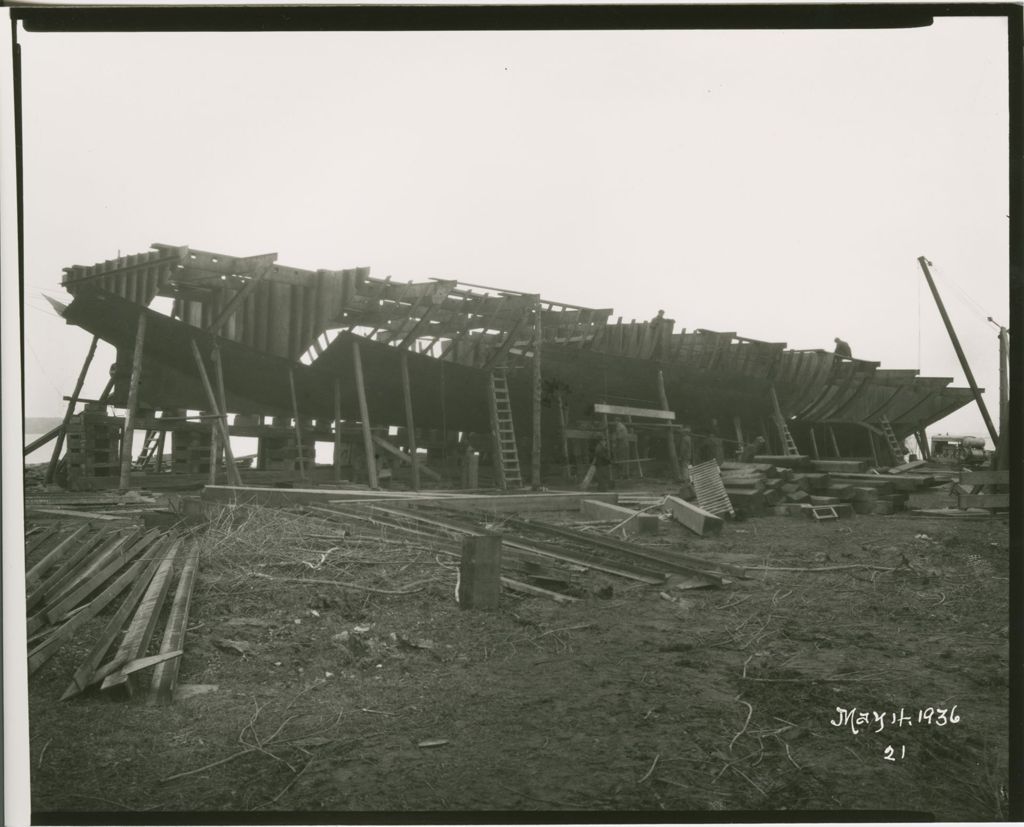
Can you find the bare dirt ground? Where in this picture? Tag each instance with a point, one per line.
(341, 700)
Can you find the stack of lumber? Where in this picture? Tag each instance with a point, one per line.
(754, 487)
(77, 570)
(984, 488)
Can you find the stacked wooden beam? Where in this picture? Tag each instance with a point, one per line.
(78, 569)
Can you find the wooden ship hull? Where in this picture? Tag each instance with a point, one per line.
(424, 356)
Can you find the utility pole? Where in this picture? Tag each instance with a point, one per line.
(959, 352)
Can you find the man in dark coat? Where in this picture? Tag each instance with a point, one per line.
(843, 348)
(603, 465)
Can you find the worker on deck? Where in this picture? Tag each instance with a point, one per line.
(843, 348)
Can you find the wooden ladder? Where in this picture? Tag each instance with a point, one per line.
(148, 449)
(895, 446)
(506, 454)
(788, 443)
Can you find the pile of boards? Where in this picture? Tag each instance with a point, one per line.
(847, 486)
(537, 557)
(78, 568)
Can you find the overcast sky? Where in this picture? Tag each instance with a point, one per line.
(778, 184)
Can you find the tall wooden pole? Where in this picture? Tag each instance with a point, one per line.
(364, 416)
(51, 469)
(960, 353)
(673, 457)
(222, 403)
(298, 426)
(1003, 447)
(133, 398)
(537, 389)
(221, 418)
(410, 425)
(337, 430)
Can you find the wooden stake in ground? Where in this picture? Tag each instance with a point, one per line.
(51, 469)
(133, 398)
(480, 572)
(364, 416)
(410, 426)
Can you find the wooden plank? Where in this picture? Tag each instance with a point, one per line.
(840, 466)
(536, 591)
(97, 574)
(983, 500)
(404, 457)
(907, 466)
(632, 522)
(66, 571)
(693, 517)
(624, 410)
(85, 674)
(136, 639)
(35, 574)
(987, 477)
(491, 503)
(38, 656)
(165, 676)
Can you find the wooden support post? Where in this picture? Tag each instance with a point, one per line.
(133, 398)
(221, 418)
(479, 584)
(814, 444)
(563, 423)
(737, 425)
(673, 457)
(213, 453)
(298, 425)
(364, 416)
(51, 469)
(535, 475)
(410, 425)
(780, 420)
(337, 430)
(222, 404)
(922, 443)
(160, 452)
(871, 442)
(835, 444)
(1002, 447)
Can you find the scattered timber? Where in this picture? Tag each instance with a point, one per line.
(632, 522)
(693, 517)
